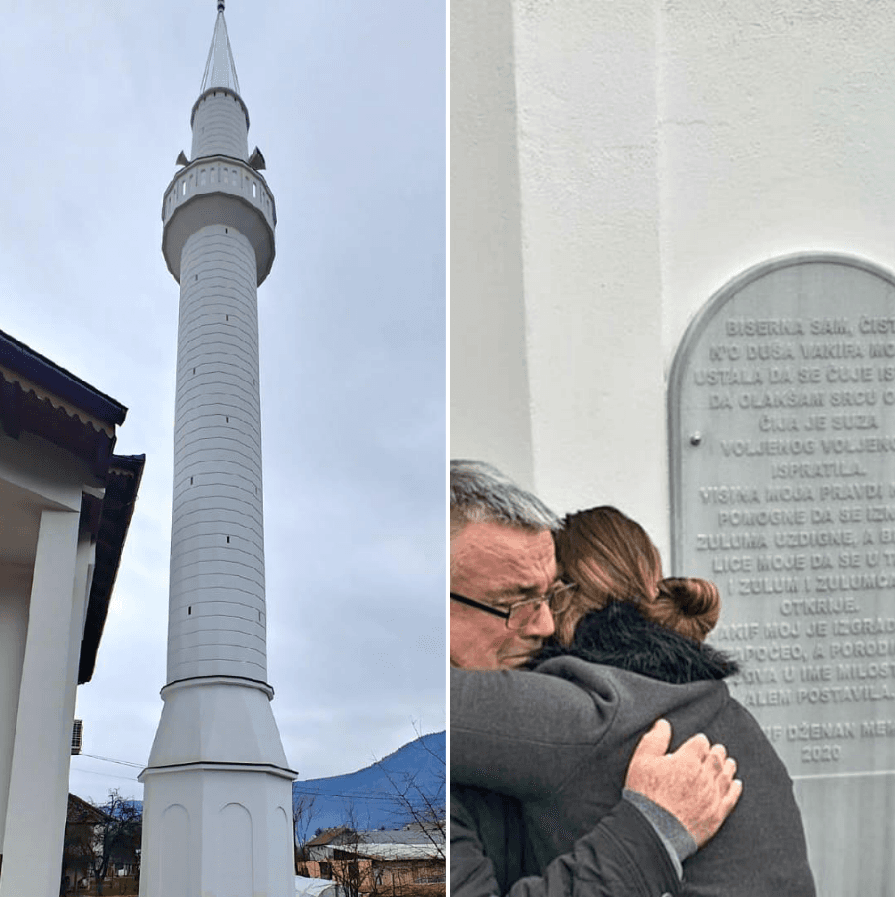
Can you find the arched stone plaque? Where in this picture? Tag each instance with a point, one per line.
(782, 441)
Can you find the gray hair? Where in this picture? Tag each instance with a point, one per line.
(479, 492)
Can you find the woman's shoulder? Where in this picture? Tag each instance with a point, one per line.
(640, 699)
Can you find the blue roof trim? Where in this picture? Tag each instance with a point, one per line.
(38, 369)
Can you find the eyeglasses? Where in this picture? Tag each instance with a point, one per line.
(519, 614)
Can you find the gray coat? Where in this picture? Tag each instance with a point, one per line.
(559, 740)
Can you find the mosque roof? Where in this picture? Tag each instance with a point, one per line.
(42, 398)
(220, 69)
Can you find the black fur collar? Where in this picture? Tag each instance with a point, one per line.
(620, 636)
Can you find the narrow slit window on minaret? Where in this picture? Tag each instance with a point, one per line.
(189, 610)
(228, 539)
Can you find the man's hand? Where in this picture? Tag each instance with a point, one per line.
(695, 783)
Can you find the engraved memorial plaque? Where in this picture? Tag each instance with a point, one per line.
(782, 437)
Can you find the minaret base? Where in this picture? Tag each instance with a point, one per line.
(213, 827)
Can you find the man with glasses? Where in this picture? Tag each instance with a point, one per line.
(503, 586)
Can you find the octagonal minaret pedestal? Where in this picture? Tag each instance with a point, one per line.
(217, 815)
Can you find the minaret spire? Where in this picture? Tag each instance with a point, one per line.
(217, 814)
(220, 69)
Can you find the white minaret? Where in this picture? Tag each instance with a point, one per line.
(217, 817)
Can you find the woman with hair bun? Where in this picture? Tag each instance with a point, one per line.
(628, 649)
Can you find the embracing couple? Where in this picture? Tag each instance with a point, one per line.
(575, 666)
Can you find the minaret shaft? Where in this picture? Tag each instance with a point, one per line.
(217, 617)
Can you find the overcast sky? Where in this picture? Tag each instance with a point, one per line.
(346, 101)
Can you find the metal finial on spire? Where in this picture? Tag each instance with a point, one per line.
(220, 69)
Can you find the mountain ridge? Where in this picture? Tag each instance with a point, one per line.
(403, 787)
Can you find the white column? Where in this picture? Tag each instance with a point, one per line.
(38, 790)
(14, 597)
(490, 400)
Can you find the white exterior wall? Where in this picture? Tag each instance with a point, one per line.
(220, 126)
(663, 148)
(777, 137)
(216, 622)
(585, 81)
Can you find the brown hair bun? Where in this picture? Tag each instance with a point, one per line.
(689, 605)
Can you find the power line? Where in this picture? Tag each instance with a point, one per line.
(105, 774)
(103, 758)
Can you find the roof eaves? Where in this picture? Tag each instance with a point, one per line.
(123, 484)
(37, 368)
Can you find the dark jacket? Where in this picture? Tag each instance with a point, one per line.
(491, 856)
(559, 740)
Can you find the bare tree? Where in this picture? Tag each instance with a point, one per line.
(112, 837)
(302, 815)
(423, 806)
(347, 867)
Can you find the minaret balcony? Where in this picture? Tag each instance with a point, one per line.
(219, 190)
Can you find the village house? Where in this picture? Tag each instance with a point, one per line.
(408, 862)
